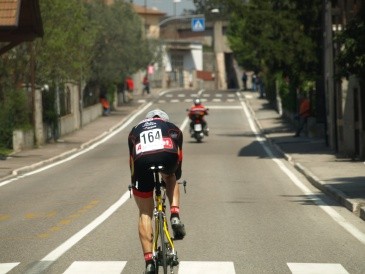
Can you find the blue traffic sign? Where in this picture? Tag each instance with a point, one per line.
(198, 24)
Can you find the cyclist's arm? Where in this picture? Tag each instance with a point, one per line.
(180, 143)
(178, 140)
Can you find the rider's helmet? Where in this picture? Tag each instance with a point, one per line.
(158, 113)
(197, 102)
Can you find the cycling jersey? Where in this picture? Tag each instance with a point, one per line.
(153, 142)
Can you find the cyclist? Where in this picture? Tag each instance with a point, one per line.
(155, 141)
(198, 109)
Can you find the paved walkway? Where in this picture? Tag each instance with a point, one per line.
(340, 178)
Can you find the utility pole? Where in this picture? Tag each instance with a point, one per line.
(37, 108)
(145, 18)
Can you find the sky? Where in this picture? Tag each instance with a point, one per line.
(167, 6)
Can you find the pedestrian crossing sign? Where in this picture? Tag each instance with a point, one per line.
(198, 24)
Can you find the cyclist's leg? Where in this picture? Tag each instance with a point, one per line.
(173, 194)
(172, 189)
(143, 195)
(145, 206)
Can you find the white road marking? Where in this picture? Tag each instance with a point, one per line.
(161, 101)
(184, 123)
(186, 267)
(225, 107)
(175, 101)
(192, 267)
(142, 101)
(60, 250)
(218, 95)
(302, 268)
(118, 128)
(107, 267)
(312, 196)
(6, 267)
(181, 95)
(217, 100)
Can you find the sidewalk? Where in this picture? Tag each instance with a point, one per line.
(30, 159)
(342, 179)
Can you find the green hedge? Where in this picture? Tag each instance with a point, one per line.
(14, 114)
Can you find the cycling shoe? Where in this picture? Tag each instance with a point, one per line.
(178, 228)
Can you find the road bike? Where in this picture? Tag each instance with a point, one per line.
(163, 249)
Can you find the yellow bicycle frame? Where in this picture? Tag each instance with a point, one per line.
(159, 208)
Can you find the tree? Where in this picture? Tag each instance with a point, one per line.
(120, 47)
(276, 37)
(351, 41)
(65, 50)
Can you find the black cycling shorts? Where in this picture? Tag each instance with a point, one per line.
(143, 179)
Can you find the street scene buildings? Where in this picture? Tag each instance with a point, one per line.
(188, 64)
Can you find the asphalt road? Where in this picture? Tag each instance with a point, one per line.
(245, 210)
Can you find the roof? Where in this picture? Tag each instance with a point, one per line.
(9, 13)
(20, 21)
(147, 11)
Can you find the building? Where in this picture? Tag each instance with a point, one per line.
(345, 101)
(201, 53)
(20, 21)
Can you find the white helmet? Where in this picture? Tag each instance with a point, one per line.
(158, 113)
(197, 101)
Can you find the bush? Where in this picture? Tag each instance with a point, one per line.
(288, 98)
(14, 114)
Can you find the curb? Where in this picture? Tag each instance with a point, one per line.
(352, 205)
(26, 169)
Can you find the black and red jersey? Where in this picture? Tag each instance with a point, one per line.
(154, 135)
(153, 142)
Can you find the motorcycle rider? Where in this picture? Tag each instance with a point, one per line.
(198, 109)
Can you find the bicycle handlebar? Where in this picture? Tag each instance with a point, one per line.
(184, 184)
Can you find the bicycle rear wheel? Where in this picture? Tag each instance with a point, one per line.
(163, 257)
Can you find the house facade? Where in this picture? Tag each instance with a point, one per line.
(345, 101)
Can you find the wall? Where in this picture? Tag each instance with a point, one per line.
(22, 139)
(352, 141)
(69, 123)
(91, 113)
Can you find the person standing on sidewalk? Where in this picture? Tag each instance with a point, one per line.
(146, 85)
(129, 86)
(244, 80)
(304, 113)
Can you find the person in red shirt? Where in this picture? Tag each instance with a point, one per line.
(105, 104)
(198, 109)
(146, 85)
(129, 85)
(304, 113)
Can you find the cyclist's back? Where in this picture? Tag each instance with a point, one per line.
(154, 142)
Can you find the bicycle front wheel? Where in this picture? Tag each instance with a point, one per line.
(163, 258)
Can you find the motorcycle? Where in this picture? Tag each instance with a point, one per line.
(196, 130)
